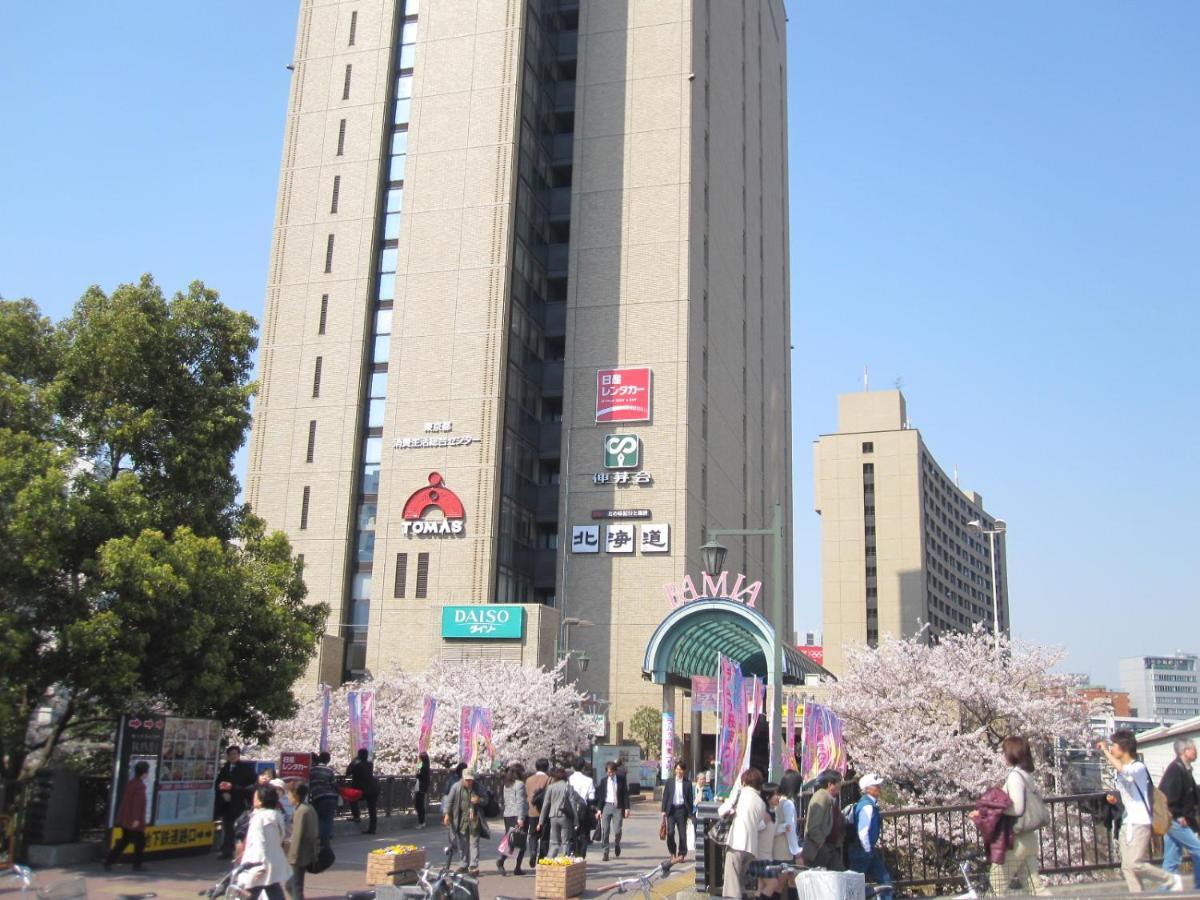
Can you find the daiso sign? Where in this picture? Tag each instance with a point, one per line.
(623, 395)
(483, 621)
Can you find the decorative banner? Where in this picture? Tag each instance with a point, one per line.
(758, 694)
(355, 710)
(426, 730)
(366, 736)
(667, 758)
(731, 734)
(704, 694)
(466, 726)
(823, 745)
(326, 696)
(475, 737)
(789, 764)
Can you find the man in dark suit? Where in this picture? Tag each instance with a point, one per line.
(234, 785)
(612, 799)
(678, 801)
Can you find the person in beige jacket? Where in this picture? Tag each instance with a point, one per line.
(749, 837)
(304, 843)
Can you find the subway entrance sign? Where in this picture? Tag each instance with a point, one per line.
(484, 621)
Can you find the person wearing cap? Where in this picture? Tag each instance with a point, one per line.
(823, 826)
(465, 820)
(866, 856)
(286, 808)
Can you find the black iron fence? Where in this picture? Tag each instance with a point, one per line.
(397, 793)
(922, 846)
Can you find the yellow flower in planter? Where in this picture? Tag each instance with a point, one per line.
(559, 861)
(395, 850)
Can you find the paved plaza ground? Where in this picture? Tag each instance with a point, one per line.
(185, 877)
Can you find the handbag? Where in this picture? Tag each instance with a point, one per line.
(517, 839)
(323, 861)
(662, 830)
(1036, 814)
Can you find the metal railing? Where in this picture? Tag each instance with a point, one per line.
(922, 845)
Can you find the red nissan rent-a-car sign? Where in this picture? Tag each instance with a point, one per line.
(295, 765)
(623, 395)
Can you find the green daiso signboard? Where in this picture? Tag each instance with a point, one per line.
(487, 621)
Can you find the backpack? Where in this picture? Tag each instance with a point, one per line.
(1160, 810)
(850, 819)
(539, 797)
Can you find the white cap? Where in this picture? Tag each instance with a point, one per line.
(869, 780)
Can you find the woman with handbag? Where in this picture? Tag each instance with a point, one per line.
(1028, 809)
(516, 809)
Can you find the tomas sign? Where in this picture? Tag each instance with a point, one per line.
(623, 395)
(487, 621)
(435, 497)
(741, 590)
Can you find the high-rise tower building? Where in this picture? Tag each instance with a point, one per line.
(897, 553)
(527, 328)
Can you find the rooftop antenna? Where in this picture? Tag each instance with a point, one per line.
(956, 484)
(866, 379)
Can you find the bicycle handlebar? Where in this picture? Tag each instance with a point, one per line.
(663, 868)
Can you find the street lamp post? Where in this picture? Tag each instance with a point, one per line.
(713, 557)
(998, 527)
(562, 645)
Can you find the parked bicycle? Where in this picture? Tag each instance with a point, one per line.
(769, 868)
(226, 887)
(975, 868)
(639, 882)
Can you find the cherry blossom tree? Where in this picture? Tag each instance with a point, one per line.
(930, 718)
(533, 714)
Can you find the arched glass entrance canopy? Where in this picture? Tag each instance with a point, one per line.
(688, 641)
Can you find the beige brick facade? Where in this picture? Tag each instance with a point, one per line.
(896, 554)
(677, 261)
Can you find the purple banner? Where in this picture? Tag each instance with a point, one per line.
(326, 697)
(731, 742)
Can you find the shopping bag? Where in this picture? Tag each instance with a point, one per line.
(505, 848)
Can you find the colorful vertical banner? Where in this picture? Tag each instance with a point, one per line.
(666, 760)
(354, 708)
(475, 746)
(426, 731)
(366, 722)
(731, 735)
(483, 740)
(466, 729)
(789, 762)
(704, 694)
(326, 699)
(822, 742)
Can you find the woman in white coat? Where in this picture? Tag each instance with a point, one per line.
(264, 847)
(749, 837)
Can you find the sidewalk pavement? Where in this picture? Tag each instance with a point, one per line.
(185, 877)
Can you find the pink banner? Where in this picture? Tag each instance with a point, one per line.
(426, 731)
(823, 745)
(366, 722)
(475, 737)
(354, 709)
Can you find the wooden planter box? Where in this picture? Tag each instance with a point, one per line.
(560, 882)
(381, 865)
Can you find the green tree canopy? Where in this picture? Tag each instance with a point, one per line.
(129, 575)
(646, 727)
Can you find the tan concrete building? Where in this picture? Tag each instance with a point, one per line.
(526, 329)
(896, 552)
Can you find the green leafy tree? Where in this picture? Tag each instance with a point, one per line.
(646, 727)
(130, 578)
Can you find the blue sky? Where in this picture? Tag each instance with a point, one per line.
(997, 203)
